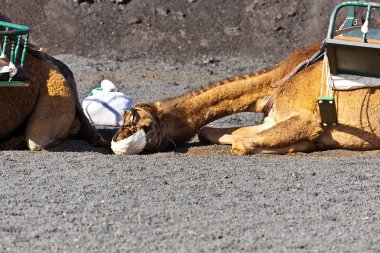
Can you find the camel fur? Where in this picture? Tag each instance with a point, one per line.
(292, 125)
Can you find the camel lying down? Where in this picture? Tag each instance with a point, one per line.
(46, 112)
(292, 125)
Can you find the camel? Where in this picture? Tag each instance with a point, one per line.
(292, 123)
(46, 112)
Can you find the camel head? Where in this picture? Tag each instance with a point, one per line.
(141, 131)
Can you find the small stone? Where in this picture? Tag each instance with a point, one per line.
(180, 15)
(232, 31)
(292, 11)
(278, 28)
(279, 17)
(122, 1)
(84, 1)
(135, 21)
(163, 11)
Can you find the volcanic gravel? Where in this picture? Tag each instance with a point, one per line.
(78, 198)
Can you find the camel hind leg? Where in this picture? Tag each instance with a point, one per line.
(53, 115)
(244, 147)
(81, 126)
(292, 135)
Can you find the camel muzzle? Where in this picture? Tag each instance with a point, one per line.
(134, 144)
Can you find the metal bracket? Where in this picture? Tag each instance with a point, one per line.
(327, 110)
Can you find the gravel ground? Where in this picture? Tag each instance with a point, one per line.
(77, 198)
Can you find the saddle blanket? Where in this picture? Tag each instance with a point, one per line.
(351, 82)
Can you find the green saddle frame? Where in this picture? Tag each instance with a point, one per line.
(17, 36)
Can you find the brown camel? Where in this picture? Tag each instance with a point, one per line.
(292, 125)
(47, 111)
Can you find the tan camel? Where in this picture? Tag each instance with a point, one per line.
(292, 125)
(47, 111)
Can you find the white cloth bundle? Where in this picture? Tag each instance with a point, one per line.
(105, 105)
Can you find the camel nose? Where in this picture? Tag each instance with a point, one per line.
(120, 136)
(133, 144)
(116, 137)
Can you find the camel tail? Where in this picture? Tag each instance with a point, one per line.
(87, 131)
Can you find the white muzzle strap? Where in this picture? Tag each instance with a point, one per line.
(134, 144)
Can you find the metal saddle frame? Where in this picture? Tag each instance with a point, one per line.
(17, 36)
(356, 50)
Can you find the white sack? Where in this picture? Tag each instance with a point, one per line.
(105, 106)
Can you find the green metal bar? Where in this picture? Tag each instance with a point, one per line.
(23, 54)
(350, 17)
(16, 29)
(12, 56)
(5, 41)
(13, 83)
(17, 47)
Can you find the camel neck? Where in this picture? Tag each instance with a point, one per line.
(186, 114)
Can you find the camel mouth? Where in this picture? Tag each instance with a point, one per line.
(134, 144)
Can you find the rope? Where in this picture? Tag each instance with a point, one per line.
(326, 77)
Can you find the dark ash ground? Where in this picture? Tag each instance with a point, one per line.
(77, 198)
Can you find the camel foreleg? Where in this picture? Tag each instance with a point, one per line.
(211, 135)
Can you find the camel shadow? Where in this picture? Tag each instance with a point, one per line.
(80, 145)
(198, 148)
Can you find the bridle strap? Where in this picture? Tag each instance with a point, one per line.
(160, 126)
(301, 66)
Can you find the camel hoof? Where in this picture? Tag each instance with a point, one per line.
(100, 142)
(240, 148)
